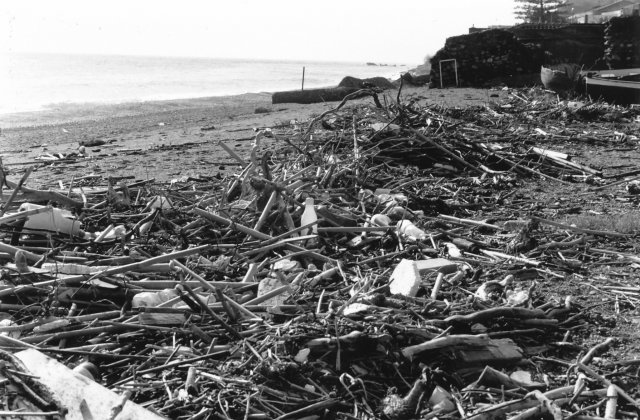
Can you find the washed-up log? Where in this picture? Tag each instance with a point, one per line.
(549, 154)
(471, 349)
(312, 96)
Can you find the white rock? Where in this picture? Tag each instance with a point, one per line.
(405, 279)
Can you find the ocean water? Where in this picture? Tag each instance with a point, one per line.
(31, 82)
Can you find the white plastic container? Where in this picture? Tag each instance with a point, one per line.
(111, 232)
(380, 220)
(152, 299)
(411, 231)
(309, 216)
(20, 258)
(55, 220)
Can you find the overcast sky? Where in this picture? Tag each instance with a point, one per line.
(401, 31)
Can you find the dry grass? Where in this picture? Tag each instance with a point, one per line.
(622, 223)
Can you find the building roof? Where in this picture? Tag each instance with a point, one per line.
(576, 8)
(620, 4)
(596, 7)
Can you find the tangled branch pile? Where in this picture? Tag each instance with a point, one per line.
(427, 287)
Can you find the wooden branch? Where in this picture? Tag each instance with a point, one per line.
(254, 233)
(487, 314)
(16, 188)
(580, 230)
(312, 96)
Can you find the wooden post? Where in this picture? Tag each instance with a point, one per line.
(302, 77)
(455, 66)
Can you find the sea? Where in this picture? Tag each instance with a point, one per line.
(33, 81)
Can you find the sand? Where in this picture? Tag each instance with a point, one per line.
(165, 140)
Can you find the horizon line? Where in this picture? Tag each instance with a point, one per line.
(154, 55)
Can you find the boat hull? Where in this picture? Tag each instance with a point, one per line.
(614, 90)
(562, 78)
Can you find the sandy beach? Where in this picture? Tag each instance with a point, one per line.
(165, 140)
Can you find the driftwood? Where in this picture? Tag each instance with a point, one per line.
(312, 96)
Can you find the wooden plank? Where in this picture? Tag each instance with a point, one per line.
(83, 397)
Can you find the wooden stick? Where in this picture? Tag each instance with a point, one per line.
(444, 150)
(38, 195)
(598, 348)
(560, 396)
(10, 249)
(577, 229)
(267, 209)
(621, 181)
(496, 254)
(208, 310)
(267, 296)
(252, 232)
(16, 188)
(491, 313)
(23, 214)
(138, 265)
(447, 341)
(233, 154)
(526, 168)
(354, 229)
(320, 405)
(468, 222)
(608, 383)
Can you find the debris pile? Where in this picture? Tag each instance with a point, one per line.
(622, 42)
(381, 262)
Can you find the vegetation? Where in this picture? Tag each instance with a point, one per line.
(540, 11)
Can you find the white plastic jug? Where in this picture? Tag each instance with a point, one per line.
(152, 299)
(411, 231)
(56, 220)
(381, 220)
(309, 216)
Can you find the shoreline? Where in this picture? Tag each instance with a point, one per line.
(73, 112)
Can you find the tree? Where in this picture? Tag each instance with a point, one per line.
(540, 11)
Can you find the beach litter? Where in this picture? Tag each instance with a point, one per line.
(383, 262)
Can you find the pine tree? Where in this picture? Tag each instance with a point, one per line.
(540, 11)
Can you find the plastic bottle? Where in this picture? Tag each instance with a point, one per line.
(55, 220)
(20, 258)
(377, 220)
(152, 299)
(380, 220)
(111, 232)
(309, 216)
(411, 231)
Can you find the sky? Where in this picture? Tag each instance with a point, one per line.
(398, 32)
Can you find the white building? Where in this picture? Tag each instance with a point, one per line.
(604, 12)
